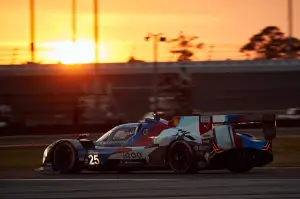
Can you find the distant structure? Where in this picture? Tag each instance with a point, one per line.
(184, 47)
(97, 108)
(14, 56)
(174, 93)
(132, 59)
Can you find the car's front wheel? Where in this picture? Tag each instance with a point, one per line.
(65, 158)
(181, 158)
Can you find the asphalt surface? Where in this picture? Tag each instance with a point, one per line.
(259, 183)
(47, 139)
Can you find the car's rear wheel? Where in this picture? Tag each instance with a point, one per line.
(65, 158)
(240, 161)
(181, 159)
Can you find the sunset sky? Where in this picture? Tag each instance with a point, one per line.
(226, 24)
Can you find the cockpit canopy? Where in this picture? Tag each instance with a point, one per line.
(119, 133)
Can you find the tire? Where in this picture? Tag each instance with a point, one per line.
(240, 161)
(185, 163)
(65, 158)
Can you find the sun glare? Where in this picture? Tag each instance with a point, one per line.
(77, 53)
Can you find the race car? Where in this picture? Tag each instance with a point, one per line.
(185, 144)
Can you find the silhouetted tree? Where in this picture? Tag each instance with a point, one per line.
(184, 47)
(272, 43)
(134, 60)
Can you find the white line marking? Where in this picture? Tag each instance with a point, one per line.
(84, 179)
(38, 136)
(23, 145)
(272, 179)
(141, 180)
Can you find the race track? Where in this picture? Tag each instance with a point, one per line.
(271, 183)
(260, 183)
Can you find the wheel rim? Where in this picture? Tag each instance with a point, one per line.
(64, 157)
(180, 157)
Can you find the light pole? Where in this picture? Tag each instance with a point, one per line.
(290, 25)
(96, 43)
(96, 40)
(157, 37)
(74, 20)
(32, 29)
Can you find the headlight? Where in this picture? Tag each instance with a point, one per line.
(45, 154)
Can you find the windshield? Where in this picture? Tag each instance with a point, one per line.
(103, 137)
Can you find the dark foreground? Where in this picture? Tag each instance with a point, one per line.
(260, 183)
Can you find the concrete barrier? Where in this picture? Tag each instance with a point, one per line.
(218, 86)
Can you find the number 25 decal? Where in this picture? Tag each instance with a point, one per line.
(94, 159)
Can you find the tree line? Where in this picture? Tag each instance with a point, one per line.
(272, 43)
(269, 43)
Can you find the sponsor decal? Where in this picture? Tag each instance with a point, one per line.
(145, 132)
(132, 155)
(94, 159)
(205, 119)
(116, 142)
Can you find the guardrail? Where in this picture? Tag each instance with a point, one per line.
(20, 129)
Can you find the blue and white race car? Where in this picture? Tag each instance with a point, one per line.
(184, 144)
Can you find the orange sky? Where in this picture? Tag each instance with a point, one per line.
(123, 25)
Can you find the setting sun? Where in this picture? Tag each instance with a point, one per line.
(79, 52)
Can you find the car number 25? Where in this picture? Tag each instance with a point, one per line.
(93, 159)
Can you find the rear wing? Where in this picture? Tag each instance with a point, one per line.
(204, 123)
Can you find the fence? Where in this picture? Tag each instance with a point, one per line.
(47, 98)
(21, 55)
(60, 113)
(46, 54)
